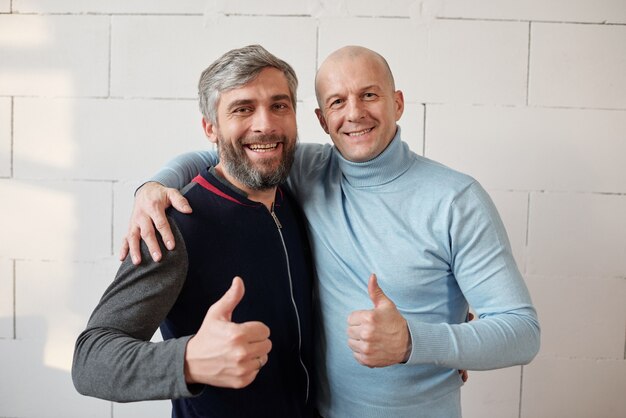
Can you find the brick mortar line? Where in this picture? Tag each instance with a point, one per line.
(113, 218)
(12, 138)
(356, 16)
(528, 64)
(14, 300)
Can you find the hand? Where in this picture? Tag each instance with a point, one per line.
(379, 337)
(464, 374)
(151, 200)
(224, 353)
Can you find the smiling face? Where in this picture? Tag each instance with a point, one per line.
(359, 107)
(255, 132)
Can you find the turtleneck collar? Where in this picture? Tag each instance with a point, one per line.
(386, 167)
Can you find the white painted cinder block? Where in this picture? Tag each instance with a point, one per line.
(598, 11)
(582, 235)
(6, 298)
(578, 66)
(23, 361)
(5, 6)
(412, 125)
(574, 388)
(477, 62)
(110, 6)
(55, 220)
(261, 8)
(530, 148)
(406, 55)
(493, 393)
(54, 55)
(164, 56)
(102, 138)
(5, 136)
(123, 200)
(567, 306)
(374, 8)
(513, 209)
(55, 300)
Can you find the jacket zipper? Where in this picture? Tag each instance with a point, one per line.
(293, 302)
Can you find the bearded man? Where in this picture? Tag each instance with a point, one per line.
(217, 359)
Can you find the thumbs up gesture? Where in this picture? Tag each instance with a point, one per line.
(223, 353)
(378, 337)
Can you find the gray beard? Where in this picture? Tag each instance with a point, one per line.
(243, 170)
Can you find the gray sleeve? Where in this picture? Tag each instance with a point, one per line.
(114, 358)
(179, 171)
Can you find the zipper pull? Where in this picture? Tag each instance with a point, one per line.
(276, 219)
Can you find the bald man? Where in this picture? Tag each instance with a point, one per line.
(403, 246)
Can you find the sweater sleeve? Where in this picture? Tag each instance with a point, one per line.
(179, 171)
(114, 358)
(506, 332)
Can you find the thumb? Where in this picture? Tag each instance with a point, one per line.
(377, 295)
(178, 201)
(223, 308)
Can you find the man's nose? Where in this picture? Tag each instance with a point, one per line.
(356, 110)
(264, 122)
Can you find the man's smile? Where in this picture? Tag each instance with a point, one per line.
(360, 133)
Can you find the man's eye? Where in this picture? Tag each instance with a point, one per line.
(281, 106)
(336, 103)
(370, 95)
(242, 110)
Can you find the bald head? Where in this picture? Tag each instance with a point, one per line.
(353, 53)
(358, 103)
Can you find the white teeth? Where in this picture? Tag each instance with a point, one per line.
(363, 132)
(263, 147)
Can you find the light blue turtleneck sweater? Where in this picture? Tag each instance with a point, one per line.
(437, 245)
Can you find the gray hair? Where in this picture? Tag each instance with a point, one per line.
(235, 69)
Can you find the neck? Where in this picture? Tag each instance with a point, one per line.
(265, 196)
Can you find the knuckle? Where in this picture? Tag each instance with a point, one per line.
(147, 233)
(160, 223)
(367, 334)
(239, 355)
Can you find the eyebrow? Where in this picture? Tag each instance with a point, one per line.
(279, 97)
(332, 96)
(244, 102)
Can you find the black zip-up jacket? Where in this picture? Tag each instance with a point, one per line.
(227, 235)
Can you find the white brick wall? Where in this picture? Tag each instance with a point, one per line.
(574, 150)
(5, 137)
(54, 55)
(6, 298)
(528, 97)
(574, 388)
(578, 65)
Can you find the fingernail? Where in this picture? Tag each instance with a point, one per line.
(134, 260)
(169, 245)
(155, 256)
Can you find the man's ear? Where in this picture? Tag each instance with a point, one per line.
(209, 130)
(398, 98)
(322, 120)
